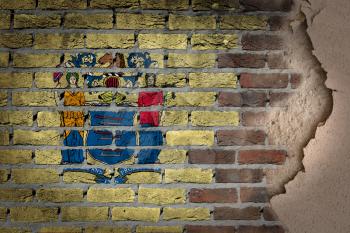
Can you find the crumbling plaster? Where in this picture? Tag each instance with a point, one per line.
(317, 199)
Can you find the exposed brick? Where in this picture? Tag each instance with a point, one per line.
(215, 4)
(37, 21)
(295, 81)
(256, 195)
(254, 118)
(62, 4)
(211, 156)
(262, 156)
(260, 229)
(165, 4)
(221, 195)
(210, 229)
(248, 80)
(185, 22)
(227, 213)
(140, 21)
(266, 5)
(240, 137)
(89, 21)
(269, 214)
(279, 99)
(243, 99)
(230, 60)
(238, 175)
(243, 22)
(277, 22)
(261, 42)
(277, 61)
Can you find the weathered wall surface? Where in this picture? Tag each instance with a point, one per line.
(317, 200)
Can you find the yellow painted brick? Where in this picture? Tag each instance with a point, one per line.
(4, 59)
(16, 118)
(16, 80)
(176, 60)
(186, 214)
(170, 80)
(115, 41)
(179, 99)
(45, 80)
(60, 230)
(207, 80)
(35, 98)
(4, 138)
(110, 195)
(4, 175)
(60, 195)
(162, 196)
(162, 41)
(191, 22)
(48, 157)
(34, 176)
(190, 138)
(27, 60)
(214, 118)
(159, 229)
(5, 18)
(15, 156)
(16, 40)
(3, 98)
(59, 41)
(215, 4)
(140, 21)
(79, 177)
(214, 41)
(28, 137)
(189, 175)
(172, 156)
(90, 21)
(17, 4)
(164, 4)
(3, 214)
(37, 21)
(114, 3)
(49, 119)
(62, 4)
(170, 118)
(105, 229)
(33, 214)
(135, 214)
(243, 22)
(84, 214)
(14, 230)
(16, 194)
(144, 178)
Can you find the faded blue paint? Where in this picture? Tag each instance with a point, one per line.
(72, 156)
(148, 156)
(99, 138)
(111, 157)
(125, 138)
(151, 138)
(102, 118)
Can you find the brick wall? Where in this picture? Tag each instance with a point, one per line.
(140, 115)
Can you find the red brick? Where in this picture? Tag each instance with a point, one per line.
(240, 137)
(230, 60)
(248, 80)
(269, 214)
(260, 229)
(254, 118)
(261, 42)
(262, 157)
(213, 195)
(227, 213)
(244, 99)
(278, 23)
(295, 81)
(238, 175)
(279, 99)
(277, 61)
(210, 229)
(266, 5)
(211, 156)
(255, 194)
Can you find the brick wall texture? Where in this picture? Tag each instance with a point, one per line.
(141, 116)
